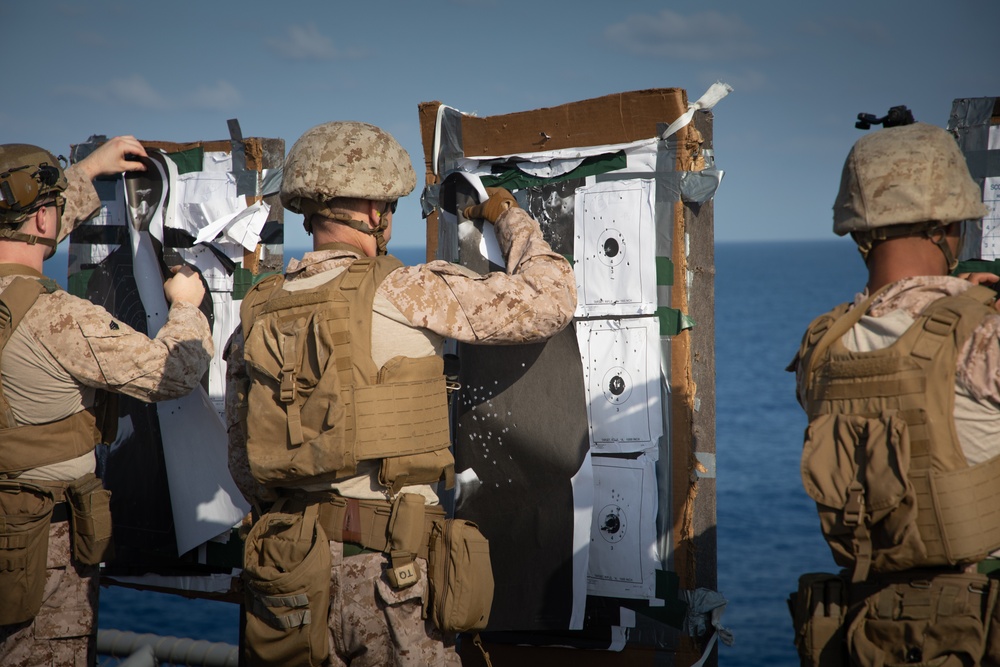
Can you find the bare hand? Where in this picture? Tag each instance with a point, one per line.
(184, 285)
(112, 157)
(980, 278)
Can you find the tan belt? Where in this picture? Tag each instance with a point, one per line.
(364, 522)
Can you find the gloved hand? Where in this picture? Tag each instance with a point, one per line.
(500, 200)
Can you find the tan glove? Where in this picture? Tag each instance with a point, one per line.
(500, 200)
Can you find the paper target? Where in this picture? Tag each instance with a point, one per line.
(623, 556)
(615, 249)
(621, 361)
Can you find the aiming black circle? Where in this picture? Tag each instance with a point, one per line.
(617, 385)
(611, 247)
(612, 523)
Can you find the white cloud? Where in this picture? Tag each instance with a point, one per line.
(704, 36)
(303, 42)
(222, 95)
(135, 91)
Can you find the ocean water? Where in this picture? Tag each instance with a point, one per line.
(768, 533)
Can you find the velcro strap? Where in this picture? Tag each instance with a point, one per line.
(263, 607)
(288, 370)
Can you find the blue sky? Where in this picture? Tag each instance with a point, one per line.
(801, 71)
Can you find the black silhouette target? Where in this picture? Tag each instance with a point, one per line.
(611, 248)
(617, 385)
(612, 523)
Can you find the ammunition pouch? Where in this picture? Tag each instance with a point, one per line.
(25, 515)
(286, 574)
(459, 568)
(819, 610)
(461, 576)
(928, 618)
(91, 520)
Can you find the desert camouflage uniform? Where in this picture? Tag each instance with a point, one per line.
(370, 622)
(64, 349)
(977, 380)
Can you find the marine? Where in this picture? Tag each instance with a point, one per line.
(61, 358)
(902, 390)
(368, 493)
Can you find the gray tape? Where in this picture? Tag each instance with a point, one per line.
(247, 182)
(983, 164)
(970, 123)
(271, 181)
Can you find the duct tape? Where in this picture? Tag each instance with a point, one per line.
(246, 181)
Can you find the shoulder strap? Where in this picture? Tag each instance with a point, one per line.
(15, 302)
(953, 316)
(824, 331)
(255, 298)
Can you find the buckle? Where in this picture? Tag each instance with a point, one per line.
(854, 508)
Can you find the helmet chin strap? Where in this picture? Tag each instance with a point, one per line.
(936, 233)
(939, 236)
(310, 208)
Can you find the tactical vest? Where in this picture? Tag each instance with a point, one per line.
(881, 457)
(317, 404)
(33, 445)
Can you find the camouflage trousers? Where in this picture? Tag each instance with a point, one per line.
(64, 631)
(374, 625)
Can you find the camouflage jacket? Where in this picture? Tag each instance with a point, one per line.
(67, 347)
(532, 300)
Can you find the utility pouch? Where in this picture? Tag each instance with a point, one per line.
(940, 621)
(25, 515)
(461, 576)
(818, 609)
(286, 574)
(406, 531)
(857, 471)
(91, 520)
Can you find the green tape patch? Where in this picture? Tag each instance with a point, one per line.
(515, 179)
(664, 271)
(190, 160)
(673, 321)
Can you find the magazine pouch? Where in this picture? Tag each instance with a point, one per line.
(91, 520)
(939, 621)
(819, 608)
(25, 515)
(286, 574)
(461, 576)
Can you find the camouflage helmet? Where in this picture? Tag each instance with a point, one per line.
(28, 175)
(905, 175)
(345, 159)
